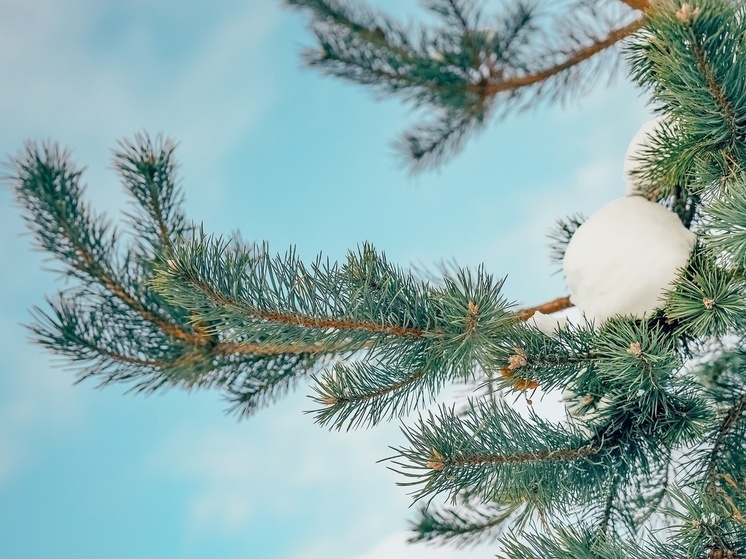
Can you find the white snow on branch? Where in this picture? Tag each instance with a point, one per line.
(633, 160)
(624, 257)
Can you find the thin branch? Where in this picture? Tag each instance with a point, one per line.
(159, 217)
(306, 321)
(136, 361)
(91, 266)
(637, 4)
(268, 349)
(487, 88)
(559, 304)
(439, 462)
(467, 530)
(730, 419)
(713, 85)
(332, 400)
(226, 348)
(609, 505)
(167, 327)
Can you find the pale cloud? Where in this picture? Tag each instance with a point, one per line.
(59, 83)
(220, 509)
(12, 454)
(223, 466)
(36, 399)
(395, 546)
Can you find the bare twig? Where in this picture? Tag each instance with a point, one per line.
(637, 4)
(559, 304)
(492, 88)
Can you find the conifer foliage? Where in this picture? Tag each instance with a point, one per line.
(650, 461)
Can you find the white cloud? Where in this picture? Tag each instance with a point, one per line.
(35, 400)
(12, 454)
(61, 83)
(395, 546)
(223, 469)
(220, 510)
(221, 465)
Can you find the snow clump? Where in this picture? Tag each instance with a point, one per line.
(635, 153)
(623, 258)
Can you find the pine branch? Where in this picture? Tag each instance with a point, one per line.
(148, 170)
(612, 495)
(369, 392)
(706, 299)
(463, 71)
(701, 531)
(560, 235)
(697, 53)
(725, 231)
(709, 73)
(490, 452)
(462, 526)
(113, 323)
(248, 291)
(731, 418)
(47, 184)
(574, 59)
(563, 542)
(426, 146)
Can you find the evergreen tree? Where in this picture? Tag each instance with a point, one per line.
(650, 460)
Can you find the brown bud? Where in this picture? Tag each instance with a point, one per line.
(436, 461)
(686, 14)
(635, 349)
(517, 360)
(471, 317)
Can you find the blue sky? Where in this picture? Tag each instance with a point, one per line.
(282, 154)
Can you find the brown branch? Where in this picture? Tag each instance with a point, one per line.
(730, 419)
(613, 37)
(167, 327)
(439, 462)
(267, 349)
(226, 348)
(90, 265)
(559, 304)
(712, 83)
(151, 363)
(332, 400)
(158, 210)
(337, 324)
(201, 337)
(609, 505)
(637, 4)
(321, 323)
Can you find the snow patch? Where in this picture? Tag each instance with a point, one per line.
(636, 152)
(624, 257)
